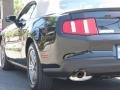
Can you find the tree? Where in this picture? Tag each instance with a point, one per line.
(18, 5)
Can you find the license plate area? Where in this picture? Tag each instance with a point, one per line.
(116, 51)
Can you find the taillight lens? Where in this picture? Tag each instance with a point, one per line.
(80, 27)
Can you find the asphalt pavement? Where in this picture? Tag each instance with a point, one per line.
(17, 80)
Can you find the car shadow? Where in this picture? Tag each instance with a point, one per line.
(17, 80)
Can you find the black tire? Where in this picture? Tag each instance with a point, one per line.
(41, 81)
(5, 64)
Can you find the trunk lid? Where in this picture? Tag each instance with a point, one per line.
(107, 19)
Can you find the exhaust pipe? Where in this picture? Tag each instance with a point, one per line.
(80, 76)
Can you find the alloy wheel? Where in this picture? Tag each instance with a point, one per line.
(32, 67)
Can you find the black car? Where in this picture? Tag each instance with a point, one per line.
(75, 44)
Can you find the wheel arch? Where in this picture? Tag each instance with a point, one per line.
(28, 42)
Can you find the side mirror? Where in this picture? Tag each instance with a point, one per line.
(10, 18)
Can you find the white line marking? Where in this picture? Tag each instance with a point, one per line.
(73, 26)
(85, 23)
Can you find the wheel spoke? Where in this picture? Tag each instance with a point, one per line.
(32, 67)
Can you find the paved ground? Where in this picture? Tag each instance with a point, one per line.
(17, 80)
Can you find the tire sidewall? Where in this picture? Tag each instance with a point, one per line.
(39, 69)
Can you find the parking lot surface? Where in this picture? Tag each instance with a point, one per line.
(17, 80)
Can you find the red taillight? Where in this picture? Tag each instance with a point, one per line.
(80, 27)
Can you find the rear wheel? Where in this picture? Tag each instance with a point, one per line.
(5, 65)
(37, 79)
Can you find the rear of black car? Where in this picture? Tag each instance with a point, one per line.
(100, 28)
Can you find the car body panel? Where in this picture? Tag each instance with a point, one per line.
(66, 53)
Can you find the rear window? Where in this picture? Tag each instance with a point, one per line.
(45, 7)
(67, 5)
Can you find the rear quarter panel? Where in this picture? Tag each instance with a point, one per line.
(52, 47)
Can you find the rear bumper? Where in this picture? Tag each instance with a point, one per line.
(97, 62)
(100, 37)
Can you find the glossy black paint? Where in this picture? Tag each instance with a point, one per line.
(43, 31)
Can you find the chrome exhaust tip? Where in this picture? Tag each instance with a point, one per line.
(80, 76)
